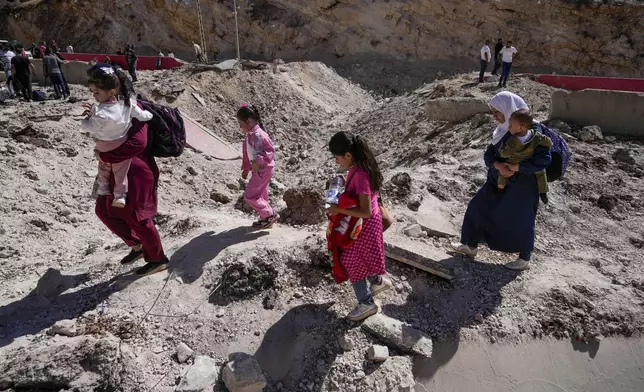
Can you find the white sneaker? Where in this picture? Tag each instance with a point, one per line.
(362, 311)
(465, 250)
(518, 265)
(119, 203)
(379, 288)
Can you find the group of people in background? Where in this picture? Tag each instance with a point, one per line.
(503, 56)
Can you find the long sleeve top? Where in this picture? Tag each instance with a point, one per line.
(259, 148)
(112, 120)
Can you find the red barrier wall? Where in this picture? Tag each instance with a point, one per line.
(143, 62)
(576, 83)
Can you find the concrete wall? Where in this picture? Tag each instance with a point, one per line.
(616, 112)
(75, 72)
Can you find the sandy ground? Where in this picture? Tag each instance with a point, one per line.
(277, 299)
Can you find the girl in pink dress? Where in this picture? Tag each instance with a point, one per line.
(364, 260)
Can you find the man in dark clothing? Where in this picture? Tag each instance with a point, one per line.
(130, 59)
(22, 69)
(497, 55)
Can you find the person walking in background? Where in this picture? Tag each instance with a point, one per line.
(198, 52)
(170, 54)
(485, 59)
(51, 66)
(130, 59)
(507, 53)
(497, 55)
(70, 49)
(5, 56)
(258, 158)
(54, 47)
(22, 68)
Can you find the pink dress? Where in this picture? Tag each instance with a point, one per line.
(366, 255)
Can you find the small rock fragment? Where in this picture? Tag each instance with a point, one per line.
(202, 376)
(378, 353)
(591, 133)
(346, 343)
(192, 170)
(413, 231)
(184, 352)
(64, 328)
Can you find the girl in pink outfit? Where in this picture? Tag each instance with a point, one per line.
(258, 157)
(364, 259)
(109, 123)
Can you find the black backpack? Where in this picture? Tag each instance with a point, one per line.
(166, 131)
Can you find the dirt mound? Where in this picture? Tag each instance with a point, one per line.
(243, 280)
(304, 206)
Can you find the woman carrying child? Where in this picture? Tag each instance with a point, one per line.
(127, 198)
(258, 158)
(505, 219)
(364, 259)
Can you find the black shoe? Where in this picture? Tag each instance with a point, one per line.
(152, 268)
(544, 197)
(133, 256)
(504, 85)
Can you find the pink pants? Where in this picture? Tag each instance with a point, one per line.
(120, 169)
(256, 194)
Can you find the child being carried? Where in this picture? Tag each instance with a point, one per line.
(520, 147)
(109, 123)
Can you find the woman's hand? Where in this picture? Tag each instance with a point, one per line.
(245, 174)
(503, 169)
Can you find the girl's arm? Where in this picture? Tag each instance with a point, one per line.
(362, 211)
(136, 143)
(539, 161)
(266, 151)
(139, 113)
(245, 159)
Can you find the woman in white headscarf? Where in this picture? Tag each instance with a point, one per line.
(505, 221)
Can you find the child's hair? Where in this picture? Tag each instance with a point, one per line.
(523, 116)
(108, 78)
(247, 112)
(344, 142)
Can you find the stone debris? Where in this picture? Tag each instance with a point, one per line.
(346, 343)
(398, 334)
(202, 376)
(395, 374)
(413, 231)
(378, 353)
(64, 328)
(81, 363)
(184, 352)
(590, 134)
(243, 374)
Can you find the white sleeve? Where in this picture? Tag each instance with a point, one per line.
(138, 113)
(94, 124)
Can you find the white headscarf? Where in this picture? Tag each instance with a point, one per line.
(506, 103)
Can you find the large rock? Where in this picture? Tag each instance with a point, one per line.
(82, 363)
(455, 109)
(413, 231)
(243, 374)
(201, 377)
(398, 334)
(590, 134)
(64, 328)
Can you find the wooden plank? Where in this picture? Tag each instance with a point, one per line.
(402, 255)
(199, 99)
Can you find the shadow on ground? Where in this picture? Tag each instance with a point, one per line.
(47, 304)
(301, 346)
(189, 260)
(441, 308)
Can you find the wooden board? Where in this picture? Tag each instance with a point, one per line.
(205, 140)
(399, 253)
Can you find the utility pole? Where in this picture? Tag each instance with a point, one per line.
(236, 29)
(202, 35)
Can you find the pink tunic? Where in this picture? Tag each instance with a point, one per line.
(366, 255)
